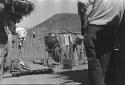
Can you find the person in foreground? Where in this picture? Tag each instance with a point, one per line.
(100, 22)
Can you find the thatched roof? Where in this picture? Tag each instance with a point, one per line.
(16, 9)
(63, 22)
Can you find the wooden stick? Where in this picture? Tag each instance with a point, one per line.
(2, 61)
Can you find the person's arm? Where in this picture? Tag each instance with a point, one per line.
(82, 8)
(12, 27)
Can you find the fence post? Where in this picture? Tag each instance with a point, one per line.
(2, 50)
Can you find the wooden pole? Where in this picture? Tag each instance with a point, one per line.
(2, 49)
(2, 46)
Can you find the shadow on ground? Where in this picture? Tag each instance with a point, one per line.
(79, 76)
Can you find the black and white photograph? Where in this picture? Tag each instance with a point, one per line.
(41, 43)
(62, 42)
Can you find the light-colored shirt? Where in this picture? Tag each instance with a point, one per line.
(66, 36)
(104, 11)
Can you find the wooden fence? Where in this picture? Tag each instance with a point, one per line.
(34, 48)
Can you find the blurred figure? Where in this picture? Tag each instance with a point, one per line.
(51, 43)
(21, 34)
(100, 21)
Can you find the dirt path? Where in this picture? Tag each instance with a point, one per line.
(75, 76)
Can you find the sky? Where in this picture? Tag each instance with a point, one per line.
(45, 9)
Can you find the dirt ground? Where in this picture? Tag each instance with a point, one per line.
(75, 76)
